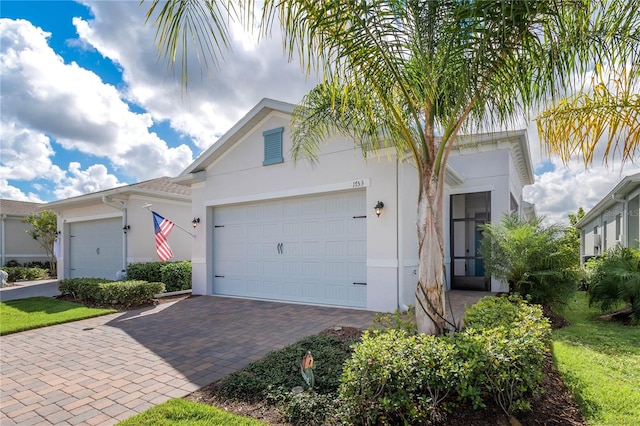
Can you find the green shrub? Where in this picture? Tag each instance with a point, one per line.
(532, 258)
(308, 408)
(398, 320)
(614, 279)
(282, 369)
(147, 271)
(176, 275)
(82, 289)
(127, 293)
(514, 336)
(107, 292)
(397, 378)
(17, 273)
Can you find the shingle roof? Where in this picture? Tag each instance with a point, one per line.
(20, 208)
(162, 184)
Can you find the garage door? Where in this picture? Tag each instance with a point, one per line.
(95, 248)
(305, 249)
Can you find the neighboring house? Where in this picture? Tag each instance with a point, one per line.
(614, 220)
(104, 231)
(272, 229)
(15, 243)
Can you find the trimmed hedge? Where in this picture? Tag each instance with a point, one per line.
(175, 275)
(107, 292)
(397, 378)
(17, 273)
(147, 271)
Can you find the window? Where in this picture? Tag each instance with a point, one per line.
(273, 146)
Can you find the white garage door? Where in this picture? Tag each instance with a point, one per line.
(95, 248)
(309, 249)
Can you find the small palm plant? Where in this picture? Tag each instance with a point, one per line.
(531, 257)
(615, 279)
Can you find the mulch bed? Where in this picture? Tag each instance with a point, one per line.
(554, 407)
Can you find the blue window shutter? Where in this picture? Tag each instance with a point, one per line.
(273, 146)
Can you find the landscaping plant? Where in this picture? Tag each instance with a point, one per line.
(397, 378)
(614, 279)
(531, 257)
(107, 292)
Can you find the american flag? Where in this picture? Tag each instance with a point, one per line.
(162, 228)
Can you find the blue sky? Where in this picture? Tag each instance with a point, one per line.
(87, 105)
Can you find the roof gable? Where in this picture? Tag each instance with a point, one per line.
(233, 135)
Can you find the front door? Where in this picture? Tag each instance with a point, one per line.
(468, 213)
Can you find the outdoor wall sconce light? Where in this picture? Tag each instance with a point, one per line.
(379, 208)
(195, 222)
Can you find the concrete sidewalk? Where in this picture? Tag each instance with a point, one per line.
(24, 289)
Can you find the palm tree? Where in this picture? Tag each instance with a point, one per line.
(414, 74)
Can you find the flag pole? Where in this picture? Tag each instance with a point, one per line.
(146, 206)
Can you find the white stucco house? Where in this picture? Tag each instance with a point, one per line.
(615, 219)
(15, 243)
(272, 229)
(102, 232)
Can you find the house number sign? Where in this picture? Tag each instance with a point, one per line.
(359, 183)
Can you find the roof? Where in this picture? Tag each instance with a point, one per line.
(625, 187)
(19, 208)
(196, 171)
(161, 187)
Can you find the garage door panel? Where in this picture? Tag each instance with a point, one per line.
(291, 268)
(335, 248)
(335, 269)
(297, 249)
(95, 248)
(311, 249)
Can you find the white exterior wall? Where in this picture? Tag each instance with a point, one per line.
(239, 177)
(606, 228)
(139, 241)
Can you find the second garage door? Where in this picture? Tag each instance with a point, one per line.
(308, 249)
(95, 248)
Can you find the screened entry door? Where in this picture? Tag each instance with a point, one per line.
(468, 213)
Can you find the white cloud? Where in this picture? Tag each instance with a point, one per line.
(78, 182)
(26, 154)
(71, 104)
(561, 191)
(9, 192)
(216, 99)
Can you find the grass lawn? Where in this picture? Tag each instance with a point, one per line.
(183, 412)
(600, 362)
(36, 312)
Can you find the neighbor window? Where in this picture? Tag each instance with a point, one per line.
(273, 146)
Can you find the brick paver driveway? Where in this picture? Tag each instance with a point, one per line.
(103, 370)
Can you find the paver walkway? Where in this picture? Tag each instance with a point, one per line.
(103, 370)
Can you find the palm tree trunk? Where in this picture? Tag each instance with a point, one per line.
(430, 302)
